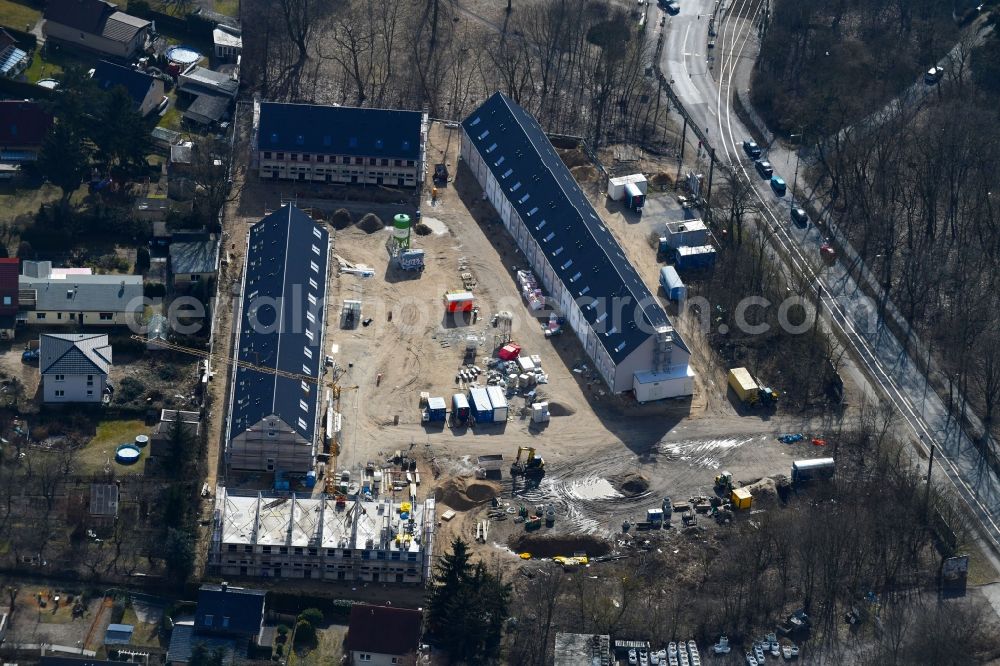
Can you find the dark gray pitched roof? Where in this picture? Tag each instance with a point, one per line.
(229, 610)
(207, 109)
(86, 293)
(85, 15)
(183, 640)
(122, 27)
(384, 629)
(194, 255)
(108, 75)
(585, 256)
(286, 261)
(198, 80)
(340, 130)
(74, 353)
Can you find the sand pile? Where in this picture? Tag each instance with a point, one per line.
(341, 219)
(630, 484)
(371, 223)
(585, 173)
(550, 546)
(764, 489)
(464, 494)
(661, 180)
(555, 409)
(422, 229)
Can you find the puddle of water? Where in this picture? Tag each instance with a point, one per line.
(592, 489)
(435, 225)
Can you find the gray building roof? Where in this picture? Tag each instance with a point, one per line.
(198, 80)
(286, 267)
(74, 353)
(194, 255)
(84, 293)
(207, 109)
(586, 258)
(229, 610)
(103, 499)
(183, 640)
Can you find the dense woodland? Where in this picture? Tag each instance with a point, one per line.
(579, 66)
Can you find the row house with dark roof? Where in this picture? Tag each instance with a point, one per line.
(589, 280)
(272, 417)
(339, 144)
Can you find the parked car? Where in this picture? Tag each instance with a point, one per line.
(778, 185)
(673, 7)
(933, 75)
(29, 355)
(751, 149)
(799, 216)
(764, 168)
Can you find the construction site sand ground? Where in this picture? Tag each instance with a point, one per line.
(678, 446)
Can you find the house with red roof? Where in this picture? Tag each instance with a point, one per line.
(23, 126)
(383, 635)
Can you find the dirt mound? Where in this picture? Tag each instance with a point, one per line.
(585, 173)
(764, 489)
(661, 180)
(422, 229)
(462, 495)
(630, 484)
(341, 219)
(574, 158)
(555, 409)
(552, 545)
(371, 223)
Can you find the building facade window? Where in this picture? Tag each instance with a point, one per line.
(107, 316)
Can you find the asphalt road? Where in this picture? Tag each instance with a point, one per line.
(704, 80)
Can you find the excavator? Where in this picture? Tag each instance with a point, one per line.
(527, 463)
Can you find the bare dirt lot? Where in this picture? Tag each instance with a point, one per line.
(678, 446)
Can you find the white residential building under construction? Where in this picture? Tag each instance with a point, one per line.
(589, 280)
(259, 535)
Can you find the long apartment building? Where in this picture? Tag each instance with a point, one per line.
(339, 144)
(321, 538)
(622, 327)
(273, 417)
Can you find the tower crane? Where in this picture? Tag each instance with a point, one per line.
(332, 384)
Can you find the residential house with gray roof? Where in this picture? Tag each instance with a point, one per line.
(95, 25)
(74, 366)
(53, 298)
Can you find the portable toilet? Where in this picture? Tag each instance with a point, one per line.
(672, 285)
(437, 410)
(459, 408)
(479, 401)
(499, 402)
(741, 498)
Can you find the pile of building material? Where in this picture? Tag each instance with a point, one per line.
(530, 290)
(539, 412)
(522, 373)
(467, 374)
(354, 269)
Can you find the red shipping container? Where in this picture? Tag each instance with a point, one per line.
(509, 352)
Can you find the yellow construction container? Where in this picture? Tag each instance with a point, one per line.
(743, 383)
(741, 498)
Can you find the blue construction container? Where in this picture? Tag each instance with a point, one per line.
(672, 285)
(694, 257)
(437, 410)
(482, 409)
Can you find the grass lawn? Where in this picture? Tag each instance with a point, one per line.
(145, 634)
(18, 16)
(228, 7)
(109, 435)
(172, 118)
(328, 651)
(16, 201)
(42, 69)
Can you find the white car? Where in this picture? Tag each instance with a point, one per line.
(933, 75)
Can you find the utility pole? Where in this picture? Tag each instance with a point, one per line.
(795, 180)
(711, 171)
(680, 159)
(930, 467)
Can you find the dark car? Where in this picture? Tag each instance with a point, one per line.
(673, 7)
(764, 168)
(799, 216)
(751, 149)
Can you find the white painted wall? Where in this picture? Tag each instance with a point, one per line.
(73, 388)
